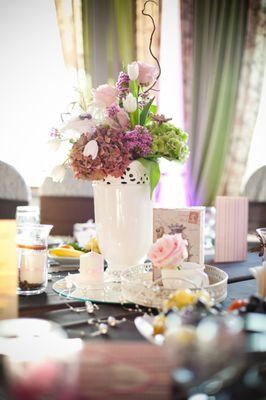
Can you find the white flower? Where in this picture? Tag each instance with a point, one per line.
(80, 124)
(91, 149)
(58, 173)
(133, 71)
(54, 144)
(130, 103)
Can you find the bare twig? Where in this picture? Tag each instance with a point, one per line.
(150, 43)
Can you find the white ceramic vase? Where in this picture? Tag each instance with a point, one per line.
(123, 216)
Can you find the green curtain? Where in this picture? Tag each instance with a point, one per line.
(213, 42)
(98, 38)
(108, 37)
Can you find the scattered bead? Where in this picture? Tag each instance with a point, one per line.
(89, 307)
(103, 329)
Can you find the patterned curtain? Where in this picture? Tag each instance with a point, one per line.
(249, 91)
(69, 19)
(98, 38)
(215, 36)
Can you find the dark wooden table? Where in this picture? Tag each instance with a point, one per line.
(128, 367)
(52, 307)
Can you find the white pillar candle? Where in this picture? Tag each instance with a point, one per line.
(91, 267)
(33, 268)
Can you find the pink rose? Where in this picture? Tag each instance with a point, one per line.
(169, 251)
(147, 73)
(104, 95)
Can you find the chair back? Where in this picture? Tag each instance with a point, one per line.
(13, 191)
(66, 203)
(255, 191)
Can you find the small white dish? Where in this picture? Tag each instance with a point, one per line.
(189, 271)
(67, 261)
(80, 283)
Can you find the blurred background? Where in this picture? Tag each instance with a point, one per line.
(213, 83)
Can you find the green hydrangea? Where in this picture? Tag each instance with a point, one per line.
(169, 142)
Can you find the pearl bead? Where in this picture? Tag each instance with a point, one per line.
(89, 307)
(103, 329)
(111, 321)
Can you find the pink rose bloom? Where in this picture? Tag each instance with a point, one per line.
(104, 95)
(147, 73)
(169, 251)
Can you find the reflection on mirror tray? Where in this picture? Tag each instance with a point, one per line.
(137, 286)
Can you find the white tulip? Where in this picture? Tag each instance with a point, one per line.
(133, 71)
(91, 149)
(54, 144)
(58, 173)
(130, 103)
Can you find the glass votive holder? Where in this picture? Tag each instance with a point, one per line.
(27, 215)
(39, 361)
(32, 258)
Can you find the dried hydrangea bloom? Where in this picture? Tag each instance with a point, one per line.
(112, 159)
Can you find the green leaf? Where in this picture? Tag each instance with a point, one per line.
(144, 112)
(134, 88)
(153, 109)
(153, 170)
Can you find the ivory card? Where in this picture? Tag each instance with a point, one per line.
(8, 269)
(187, 221)
(231, 229)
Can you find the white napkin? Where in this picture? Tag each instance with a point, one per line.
(259, 274)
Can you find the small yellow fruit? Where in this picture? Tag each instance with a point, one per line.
(180, 299)
(159, 324)
(65, 252)
(184, 336)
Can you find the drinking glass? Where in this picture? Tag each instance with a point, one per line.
(262, 234)
(27, 215)
(32, 258)
(39, 361)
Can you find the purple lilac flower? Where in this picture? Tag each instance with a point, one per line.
(139, 141)
(122, 85)
(55, 133)
(112, 110)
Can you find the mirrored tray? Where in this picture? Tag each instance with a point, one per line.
(137, 287)
(109, 292)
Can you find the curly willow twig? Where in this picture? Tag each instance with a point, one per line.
(150, 44)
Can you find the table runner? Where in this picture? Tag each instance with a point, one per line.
(126, 371)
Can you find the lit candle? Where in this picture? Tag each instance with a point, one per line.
(91, 267)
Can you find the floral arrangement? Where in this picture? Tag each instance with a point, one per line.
(169, 252)
(120, 125)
